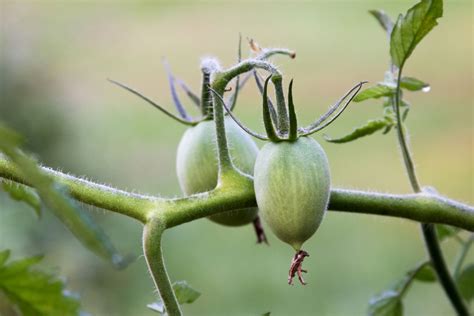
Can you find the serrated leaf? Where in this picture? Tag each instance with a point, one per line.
(185, 294)
(24, 194)
(384, 20)
(386, 304)
(56, 198)
(412, 27)
(374, 92)
(465, 282)
(445, 231)
(369, 128)
(426, 274)
(413, 84)
(35, 293)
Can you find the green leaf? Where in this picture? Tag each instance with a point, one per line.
(412, 27)
(388, 303)
(375, 92)
(445, 231)
(35, 293)
(266, 314)
(414, 84)
(384, 20)
(56, 198)
(4, 255)
(426, 274)
(185, 294)
(465, 282)
(24, 194)
(369, 128)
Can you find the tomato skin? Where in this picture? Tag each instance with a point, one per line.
(197, 164)
(292, 187)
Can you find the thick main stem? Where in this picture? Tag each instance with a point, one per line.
(421, 207)
(428, 229)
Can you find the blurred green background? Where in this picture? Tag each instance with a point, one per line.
(56, 56)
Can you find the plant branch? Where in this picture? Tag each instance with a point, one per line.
(239, 193)
(152, 234)
(429, 234)
(130, 204)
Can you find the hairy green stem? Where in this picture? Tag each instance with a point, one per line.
(152, 235)
(130, 204)
(429, 233)
(221, 79)
(238, 193)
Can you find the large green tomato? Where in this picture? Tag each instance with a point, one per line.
(197, 164)
(292, 187)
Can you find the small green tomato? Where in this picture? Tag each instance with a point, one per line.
(291, 175)
(292, 185)
(197, 165)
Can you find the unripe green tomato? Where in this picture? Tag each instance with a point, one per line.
(292, 186)
(197, 164)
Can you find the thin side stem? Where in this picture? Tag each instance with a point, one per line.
(152, 234)
(429, 234)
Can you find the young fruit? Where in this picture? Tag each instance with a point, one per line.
(197, 165)
(292, 185)
(291, 175)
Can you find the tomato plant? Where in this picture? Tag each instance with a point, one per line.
(226, 178)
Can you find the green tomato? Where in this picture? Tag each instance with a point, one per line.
(197, 164)
(292, 186)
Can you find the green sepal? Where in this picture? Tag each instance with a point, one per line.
(293, 133)
(267, 119)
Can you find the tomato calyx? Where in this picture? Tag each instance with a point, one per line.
(296, 267)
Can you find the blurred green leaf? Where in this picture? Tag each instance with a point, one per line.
(465, 282)
(22, 193)
(56, 198)
(35, 293)
(445, 231)
(369, 128)
(426, 274)
(266, 314)
(386, 304)
(410, 29)
(413, 84)
(384, 20)
(185, 294)
(375, 92)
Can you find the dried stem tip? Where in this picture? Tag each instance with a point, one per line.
(257, 225)
(296, 267)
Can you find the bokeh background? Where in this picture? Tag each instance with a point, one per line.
(56, 56)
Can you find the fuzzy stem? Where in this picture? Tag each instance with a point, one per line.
(221, 79)
(431, 239)
(239, 193)
(282, 111)
(152, 234)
